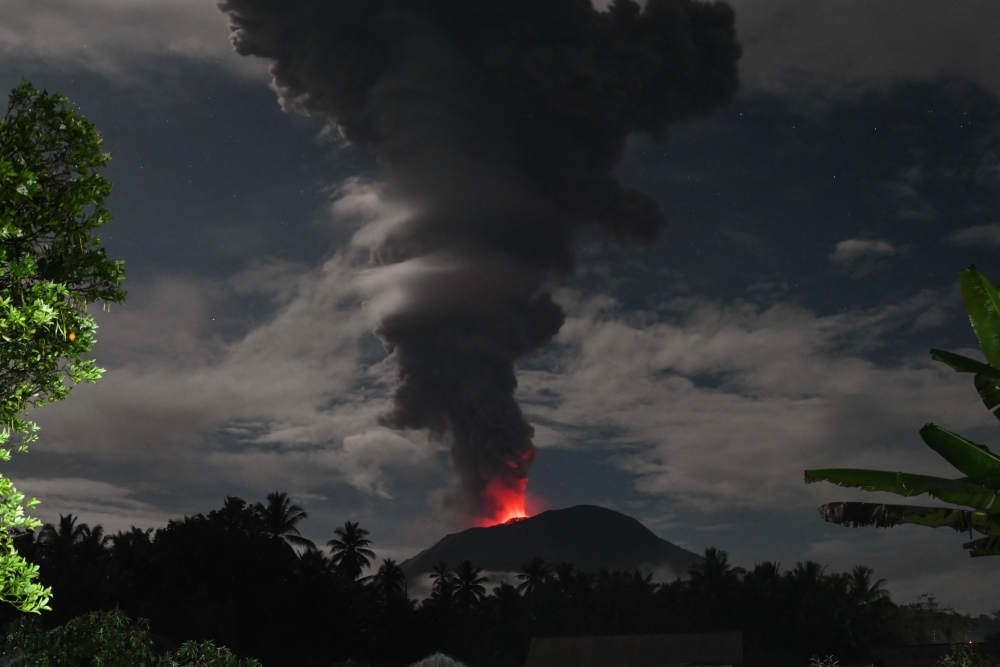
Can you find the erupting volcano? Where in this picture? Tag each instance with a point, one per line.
(506, 503)
(498, 125)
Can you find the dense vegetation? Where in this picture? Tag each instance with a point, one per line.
(233, 577)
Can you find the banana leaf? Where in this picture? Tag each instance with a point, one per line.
(983, 303)
(987, 379)
(986, 546)
(989, 391)
(975, 461)
(960, 492)
(962, 364)
(886, 516)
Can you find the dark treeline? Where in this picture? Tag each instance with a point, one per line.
(242, 576)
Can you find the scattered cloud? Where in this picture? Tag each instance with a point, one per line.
(717, 408)
(841, 46)
(109, 505)
(724, 405)
(906, 190)
(290, 404)
(113, 36)
(988, 235)
(789, 46)
(918, 561)
(861, 257)
(711, 406)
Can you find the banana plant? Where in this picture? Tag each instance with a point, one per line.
(979, 488)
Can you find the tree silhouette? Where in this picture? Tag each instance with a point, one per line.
(223, 577)
(443, 588)
(714, 570)
(388, 582)
(280, 518)
(469, 589)
(313, 564)
(566, 577)
(863, 592)
(60, 540)
(533, 576)
(238, 517)
(350, 555)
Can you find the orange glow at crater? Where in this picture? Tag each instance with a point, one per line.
(504, 500)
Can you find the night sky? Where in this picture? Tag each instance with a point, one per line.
(817, 225)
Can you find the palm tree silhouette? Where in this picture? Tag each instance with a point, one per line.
(862, 591)
(60, 541)
(350, 554)
(313, 564)
(714, 570)
(94, 538)
(807, 578)
(136, 538)
(389, 582)
(642, 584)
(533, 576)
(237, 516)
(566, 576)
(469, 588)
(280, 517)
(444, 582)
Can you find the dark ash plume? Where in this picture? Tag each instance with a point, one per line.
(499, 124)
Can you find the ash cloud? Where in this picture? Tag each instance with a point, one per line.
(498, 124)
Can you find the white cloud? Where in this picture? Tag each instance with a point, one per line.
(711, 406)
(718, 408)
(988, 235)
(289, 404)
(851, 250)
(724, 405)
(861, 257)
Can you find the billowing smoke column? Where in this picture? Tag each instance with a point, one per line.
(498, 124)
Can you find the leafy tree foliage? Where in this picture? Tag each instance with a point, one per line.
(52, 266)
(979, 489)
(109, 639)
(223, 578)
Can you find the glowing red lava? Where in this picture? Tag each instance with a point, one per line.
(504, 500)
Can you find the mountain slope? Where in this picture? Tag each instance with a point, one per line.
(587, 536)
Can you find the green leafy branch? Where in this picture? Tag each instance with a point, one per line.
(52, 266)
(979, 488)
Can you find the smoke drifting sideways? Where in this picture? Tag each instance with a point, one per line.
(498, 125)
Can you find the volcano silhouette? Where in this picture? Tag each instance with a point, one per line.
(587, 536)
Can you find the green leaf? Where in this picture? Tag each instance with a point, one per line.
(976, 461)
(51, 266)
(905, 484)
(989, 391)
(986, 546)
(886, 516)
(983, 303)
(962, 364)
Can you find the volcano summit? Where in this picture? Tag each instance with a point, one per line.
(587, 536)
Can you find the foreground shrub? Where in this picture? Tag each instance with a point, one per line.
(967, 655)
(104, 639)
